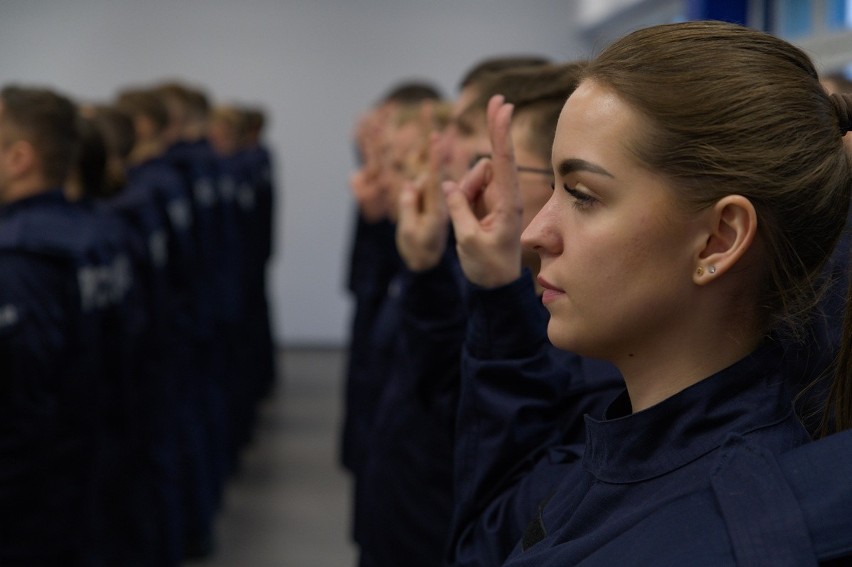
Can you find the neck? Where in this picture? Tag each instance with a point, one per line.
(194, 132)
(144, 151)
(662, 368)
(24, 188)
(73, 189)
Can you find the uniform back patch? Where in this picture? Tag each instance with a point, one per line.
(9, 316)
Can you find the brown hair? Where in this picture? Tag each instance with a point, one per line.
(538, 93)
(117, 129)
(187, 105)
(412, 92)
(91, 163)
(144, 102)
(48, 121)
(255, 119)
(232, 117)
(485, 68)
(761, 126)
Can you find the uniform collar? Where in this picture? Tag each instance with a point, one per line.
(625, 448)
(51, 196)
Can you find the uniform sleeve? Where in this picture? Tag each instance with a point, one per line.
(521, 403)
(434, 319)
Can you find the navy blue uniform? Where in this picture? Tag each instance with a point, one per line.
(629, 503)
(249, 331)
(520, 419)
(403, 498)
(198, 480)
(256, 202)
(756, 508)
(259, 162)
(65, 353)
(406, 495)
(199, 171)
(154, 206)
(373, 264)
(818, 476)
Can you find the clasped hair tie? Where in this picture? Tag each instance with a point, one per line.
(843, 107)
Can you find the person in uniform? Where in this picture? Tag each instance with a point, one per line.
(676, 246)
(64, 279)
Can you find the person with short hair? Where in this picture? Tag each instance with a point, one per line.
(262, 204)
(204, 425)
(154, 204)
(373, 261)
(64, 279)
(466, 132)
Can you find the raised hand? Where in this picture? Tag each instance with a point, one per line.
(486, 208)
(423, 223)
(365, 182)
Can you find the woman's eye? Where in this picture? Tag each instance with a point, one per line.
(581, 200)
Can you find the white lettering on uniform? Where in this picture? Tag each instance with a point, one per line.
(9, 316)
(204, 193)
(103, 286)
(180, 214)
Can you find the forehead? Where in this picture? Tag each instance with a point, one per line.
(594, 116)
(470, 124)
(521, 133)
(467, 95)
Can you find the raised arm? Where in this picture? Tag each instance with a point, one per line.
(485, 208)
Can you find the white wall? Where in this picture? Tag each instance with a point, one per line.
(314, 64)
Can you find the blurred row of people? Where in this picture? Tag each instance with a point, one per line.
(135, 340)
(492, 415)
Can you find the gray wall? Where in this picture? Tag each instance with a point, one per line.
(314, 64)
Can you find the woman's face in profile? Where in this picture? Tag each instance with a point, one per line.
(617, 253)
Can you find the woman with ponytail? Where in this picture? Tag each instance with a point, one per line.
(695, 206)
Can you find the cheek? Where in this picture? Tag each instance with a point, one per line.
(609, 254)
(637, 264)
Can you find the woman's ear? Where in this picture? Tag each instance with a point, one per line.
(732, 230)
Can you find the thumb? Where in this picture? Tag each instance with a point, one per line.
(464, 221)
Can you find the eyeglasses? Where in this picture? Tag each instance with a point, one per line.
(519, 168)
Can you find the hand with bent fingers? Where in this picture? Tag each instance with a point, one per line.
(423, 224)
(486, 208)
(365, 183)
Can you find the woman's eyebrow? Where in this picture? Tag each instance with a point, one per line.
(570, 165)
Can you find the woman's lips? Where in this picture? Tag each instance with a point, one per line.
(551, 292)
